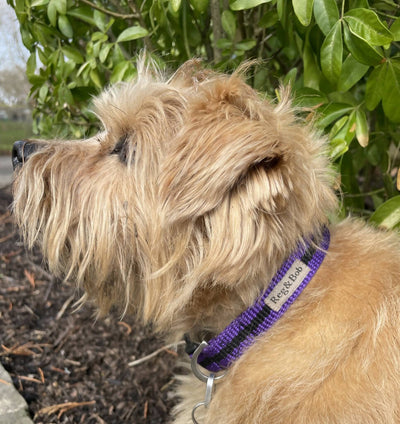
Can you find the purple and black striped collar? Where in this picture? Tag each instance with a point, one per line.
(287, 284)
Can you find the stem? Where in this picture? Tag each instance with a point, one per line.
(343, 2)
(139, 17)
(204, 33)
(369, 193)
(109, 12)
(185, 35)
(217, 28)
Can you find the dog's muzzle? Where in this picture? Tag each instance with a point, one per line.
(21, 151)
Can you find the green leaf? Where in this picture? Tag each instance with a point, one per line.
(82, 68)
(331, 113)
(100, 19)
(246, 45)
(332, 53)
(96, 36)
(73, 54)
(65, 96)
(303, 10)
(366, 24)
(61, 6)
(224, 43)
(31, 64)
(199, 5)
(341, 141)
(119, 72)
(85, 14)
(109, 24)
(65, 26)
(52, 13)
(260, 81)
(360, 49)
(42, 56)
(175, 5)
(326, 14)
(281, 8)
(20, 6)
(27, 38)
(356, 4)
(36, 80)
(131, 73)
(395, 30)
(350, 183)
(105, 50)
(117, 55)
(337, 126)
(228, 21)
(308, 97)
(36, 3)
(338, 147)
(391, 95)
(269, 19)
(290, 77)
(312, 73)
(95, 77)
(247, 4)
(362, 133)
(68, 68)
(44, 89)
(345, 98)
(132, 33)
(96, 48)
(352, 72)
(54, 58)
(375, 87)
(388, 214)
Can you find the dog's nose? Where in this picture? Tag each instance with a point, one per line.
(21, 151)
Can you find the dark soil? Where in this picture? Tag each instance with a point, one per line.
(57, 355)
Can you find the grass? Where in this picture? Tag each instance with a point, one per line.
(11, 131)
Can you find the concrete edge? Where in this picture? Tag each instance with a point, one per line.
(13, 408)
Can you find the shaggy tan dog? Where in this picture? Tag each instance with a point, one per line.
(184, 208)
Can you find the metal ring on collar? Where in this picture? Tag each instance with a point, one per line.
(199, 373)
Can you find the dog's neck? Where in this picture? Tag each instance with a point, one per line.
(287, 284)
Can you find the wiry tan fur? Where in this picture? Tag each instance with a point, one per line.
(217, 189)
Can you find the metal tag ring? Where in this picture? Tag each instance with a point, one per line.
(196, 368)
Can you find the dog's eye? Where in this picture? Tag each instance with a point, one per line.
(122, 149)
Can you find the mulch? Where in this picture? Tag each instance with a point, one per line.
(69, 366)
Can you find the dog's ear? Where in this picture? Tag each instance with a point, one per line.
(230, 134)
(191, 73)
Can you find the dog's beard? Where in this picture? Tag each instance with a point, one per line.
(83, 225)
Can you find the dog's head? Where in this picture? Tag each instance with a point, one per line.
(196, 183)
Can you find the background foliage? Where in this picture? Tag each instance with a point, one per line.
(342, 59)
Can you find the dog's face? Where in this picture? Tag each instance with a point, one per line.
(196, 183)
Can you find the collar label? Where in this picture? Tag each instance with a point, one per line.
(287, 285)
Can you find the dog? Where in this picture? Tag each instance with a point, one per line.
(209, 211)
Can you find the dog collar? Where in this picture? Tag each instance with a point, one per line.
(287, 284)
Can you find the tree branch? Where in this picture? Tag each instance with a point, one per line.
(217, 28)
(109, 12)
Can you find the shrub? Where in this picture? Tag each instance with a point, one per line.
(340, 57)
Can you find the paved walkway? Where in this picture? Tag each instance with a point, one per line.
(13, 408)
(5, 171)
